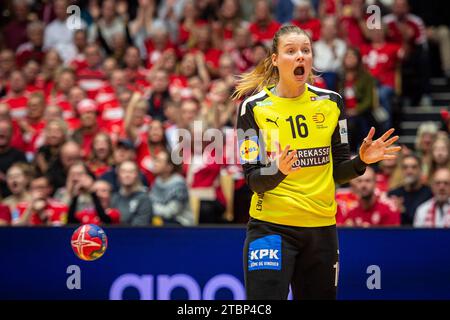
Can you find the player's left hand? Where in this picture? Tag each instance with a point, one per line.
(380, 149)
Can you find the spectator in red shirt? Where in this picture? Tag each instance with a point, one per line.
(188, 22)
(371, 211)
(80, 43)
(382, 59)
(385, 174)
(101, 157)
(92, 77)
(17, 96)
(42, 210)
(5, 215)
(404, 28)
(203, 41)
(32, 50)
(34, 124)
(76, 95)
(87, 109)
(264, 26)
(241, 52)
(229, 19)
(136, 74)
(31, 72)
(304, 19)
(148, 147)
(353, 24)
(59, 95)
(346, 199)
(156, 44)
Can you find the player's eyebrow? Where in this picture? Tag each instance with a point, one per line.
(295, 43)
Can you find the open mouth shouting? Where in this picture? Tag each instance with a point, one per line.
(299, 71)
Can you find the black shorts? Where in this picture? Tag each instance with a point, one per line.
(276, 256)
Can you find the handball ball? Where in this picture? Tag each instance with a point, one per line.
(89, 242)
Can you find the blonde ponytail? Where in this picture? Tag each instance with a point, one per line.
(264, 74)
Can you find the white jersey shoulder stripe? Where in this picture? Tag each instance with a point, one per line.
(251, 98)
(323, 90)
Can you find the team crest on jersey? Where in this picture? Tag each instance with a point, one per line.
(318, 117)
(249, 150)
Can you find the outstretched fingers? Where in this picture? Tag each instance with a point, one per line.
(387, 134)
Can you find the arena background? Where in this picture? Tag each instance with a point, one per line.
(159, 261)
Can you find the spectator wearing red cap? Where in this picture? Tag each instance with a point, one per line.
(87, 109)
(371, 210)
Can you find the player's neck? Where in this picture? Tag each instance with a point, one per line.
(283, 90)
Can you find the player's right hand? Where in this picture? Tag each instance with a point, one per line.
(285, 160)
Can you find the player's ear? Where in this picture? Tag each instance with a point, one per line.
(274, 59)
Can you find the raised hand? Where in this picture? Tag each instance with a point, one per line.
(380, 149)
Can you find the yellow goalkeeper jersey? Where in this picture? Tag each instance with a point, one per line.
(314, 126)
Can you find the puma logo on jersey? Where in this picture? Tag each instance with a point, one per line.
(273, 121)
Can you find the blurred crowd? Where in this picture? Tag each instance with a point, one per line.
(92, 100)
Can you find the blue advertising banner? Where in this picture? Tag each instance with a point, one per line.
(206, 263)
